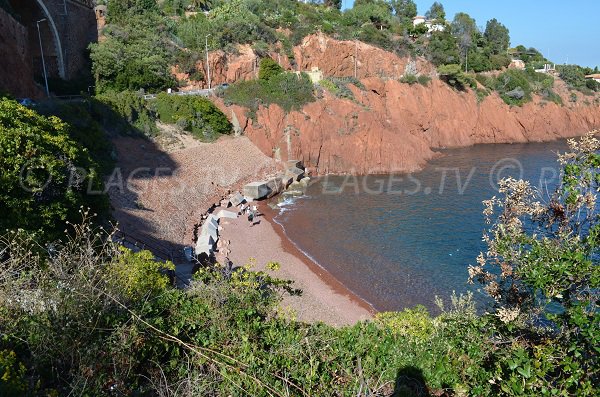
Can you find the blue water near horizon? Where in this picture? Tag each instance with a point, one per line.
(401, 240)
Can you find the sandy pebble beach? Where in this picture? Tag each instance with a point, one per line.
(323, 298)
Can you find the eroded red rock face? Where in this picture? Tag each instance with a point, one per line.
(395, 127)
(390, 126)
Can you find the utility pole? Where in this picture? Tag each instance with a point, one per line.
(208, 64)
(355, 58)
(43, 60)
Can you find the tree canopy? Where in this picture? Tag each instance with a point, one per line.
(497, 35)
(436, 11)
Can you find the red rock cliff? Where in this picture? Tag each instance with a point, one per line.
(391, 126)
(395, 127)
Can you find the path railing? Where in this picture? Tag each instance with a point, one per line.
(205, 93)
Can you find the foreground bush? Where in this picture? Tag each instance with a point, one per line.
(542, 270)
(45, 176)
(87, 317)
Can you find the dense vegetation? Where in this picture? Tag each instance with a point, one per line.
(144, 37)
(194, 114)
(46, 175)
(288, 90)
(86, 316)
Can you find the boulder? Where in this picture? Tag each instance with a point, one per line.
(204, 245)
(294, 164)
(212, 219)
(227, 214)
(295, 173)
(257, 190)
(236, 199)
(286, 180)
(210, 229)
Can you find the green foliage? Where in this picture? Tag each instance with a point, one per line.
(409, 79)
(132, 56)
(194, 114)
(376, 13)
(497, 36)
(592, 85)
(531, 56)
(269, 69)
(121, 10)
(138, 274)
(513, 86)
(516, 86)
(288, 90)
(423, 79)
(13, 382)
(406, 10)
(541, 269)
(338, 87)
(46, 176)
(454, 76)
(436, 11)
(574, 76)
(410, 322)
(132, 115)
(443, 49)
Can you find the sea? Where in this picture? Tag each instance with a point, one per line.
(400, 240)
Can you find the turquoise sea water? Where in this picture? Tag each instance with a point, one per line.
(400, 240)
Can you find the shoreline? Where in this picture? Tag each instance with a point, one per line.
(324, 298)
(313, 265)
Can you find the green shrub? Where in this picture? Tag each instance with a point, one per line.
(288, 90)
(338, 87)
(269, 69)
(423, 79)
(13, 382)
(133, 56)
(46, 176)
(488, 82)
(542, 270)
(514, 87)
(592, 85)
(194, 114)
(573, 75)
(415, 322)
(124, 113)
(409, 79)
(481, 94)
(454, 76)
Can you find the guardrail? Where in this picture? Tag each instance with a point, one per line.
(68, 97)
(205, 93)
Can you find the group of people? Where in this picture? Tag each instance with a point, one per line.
(251, 212)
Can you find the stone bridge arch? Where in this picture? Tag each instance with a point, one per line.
(69, 28)
(56, 36)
